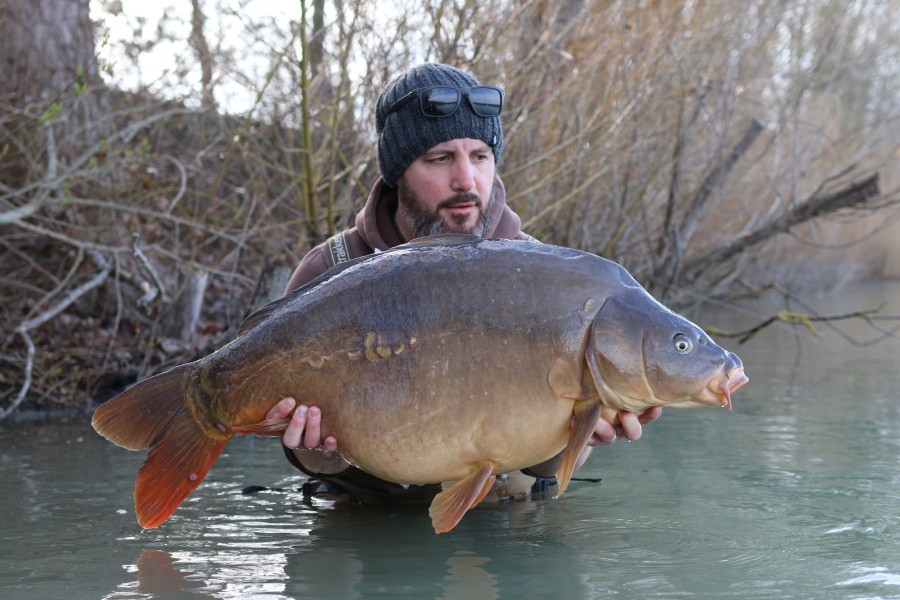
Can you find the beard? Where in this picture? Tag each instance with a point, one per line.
(426, 223)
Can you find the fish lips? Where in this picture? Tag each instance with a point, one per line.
(723, 385)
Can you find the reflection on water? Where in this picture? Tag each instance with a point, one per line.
(794, 494)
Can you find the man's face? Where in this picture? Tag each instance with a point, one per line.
(449, 189)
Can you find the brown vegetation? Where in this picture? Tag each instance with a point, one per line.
(682, 139)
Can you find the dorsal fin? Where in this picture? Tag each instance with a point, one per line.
(443, 239)
(263, 313)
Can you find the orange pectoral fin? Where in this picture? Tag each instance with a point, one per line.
(586, 414)
(449, 506)
(174, 468)
(271, 427)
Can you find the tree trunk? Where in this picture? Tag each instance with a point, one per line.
(45, 47)
(204, 56)
(49, 70)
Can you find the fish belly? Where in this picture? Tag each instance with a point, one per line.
(422, 373)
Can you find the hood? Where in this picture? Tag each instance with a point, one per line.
(376, 225)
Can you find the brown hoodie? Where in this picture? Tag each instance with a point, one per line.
(375, 231)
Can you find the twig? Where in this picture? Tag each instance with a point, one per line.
(29, 365)
(81, 244)
(153, 214)
(58, 180)
(151, 293)
(797, 318)
(18, 213)
(182, 187)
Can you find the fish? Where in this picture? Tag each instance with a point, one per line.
(450, 359)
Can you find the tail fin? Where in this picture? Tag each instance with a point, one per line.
(136, 418)
(153, 414)
(174, 468)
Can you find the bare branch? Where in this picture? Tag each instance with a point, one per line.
(158, 289)
(26, 326)
(28, 367)
(72, 296)
(851, 196)
(794, 318)
(182, 185)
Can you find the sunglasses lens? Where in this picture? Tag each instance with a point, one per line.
(486, 101)
(440, 101)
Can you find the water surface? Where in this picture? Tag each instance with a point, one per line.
(794, 494)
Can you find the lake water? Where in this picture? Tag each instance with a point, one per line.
(794, 494)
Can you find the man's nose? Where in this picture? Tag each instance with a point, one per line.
(463, 176)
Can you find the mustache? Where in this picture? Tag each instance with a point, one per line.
(462, 198)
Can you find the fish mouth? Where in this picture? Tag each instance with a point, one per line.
(726, 384)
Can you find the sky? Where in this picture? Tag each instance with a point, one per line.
(144, 44)
(130, 61)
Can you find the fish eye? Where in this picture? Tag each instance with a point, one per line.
(682, 343)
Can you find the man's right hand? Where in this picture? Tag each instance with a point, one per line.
(303, 437)
(305, 428)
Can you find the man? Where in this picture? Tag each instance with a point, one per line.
(439, 143)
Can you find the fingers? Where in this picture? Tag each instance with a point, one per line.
(630, 426)
(604, 433)
(313, 435)
(305, 429)
(282, 409)
(293, 435)
(650, 415)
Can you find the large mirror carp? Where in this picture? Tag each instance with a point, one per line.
(448, 359)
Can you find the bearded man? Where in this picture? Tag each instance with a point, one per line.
(439, 143)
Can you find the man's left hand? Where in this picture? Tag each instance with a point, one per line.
(629, 427)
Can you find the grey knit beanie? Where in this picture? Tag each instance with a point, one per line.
(406, 134)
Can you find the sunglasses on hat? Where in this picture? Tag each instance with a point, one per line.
(443, 100)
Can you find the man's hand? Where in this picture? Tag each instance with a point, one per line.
(305, 428)
(604, 435)
(629, 427)
(303, 437)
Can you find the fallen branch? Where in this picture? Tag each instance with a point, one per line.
(29, 365)
(26, 326)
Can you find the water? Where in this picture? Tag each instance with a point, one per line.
(795, 494)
